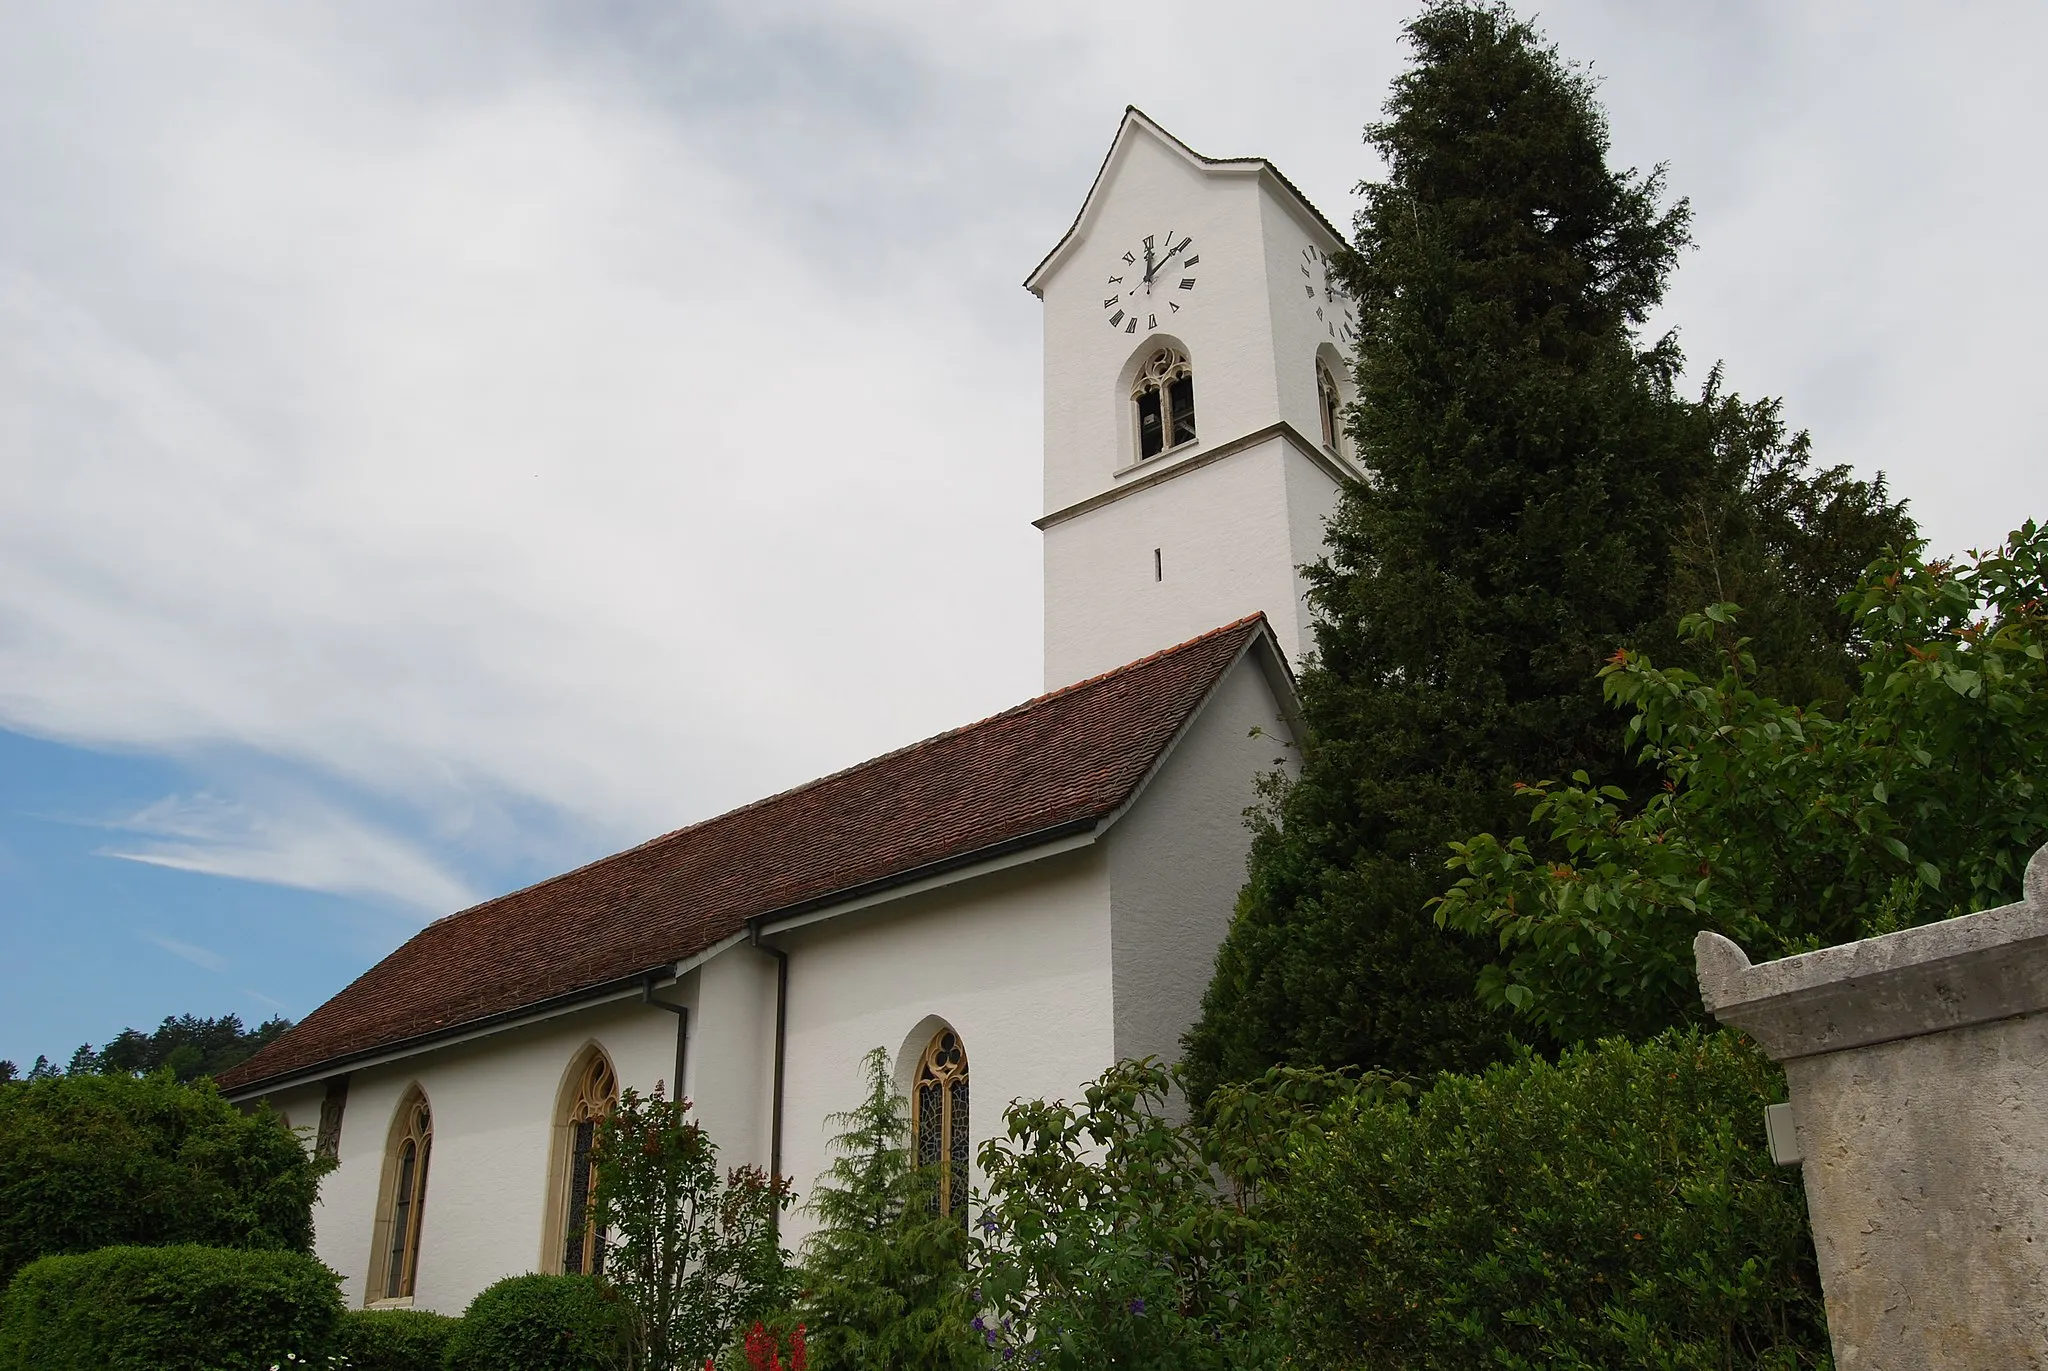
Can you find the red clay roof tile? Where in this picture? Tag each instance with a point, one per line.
(1065, 759)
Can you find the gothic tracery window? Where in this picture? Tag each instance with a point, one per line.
(1165, 396)
(1331, 404)
(583, 1242)
(938, 1109)
(412, 1145)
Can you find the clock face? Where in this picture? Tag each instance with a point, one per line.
(1326, 295)
(1152, 281)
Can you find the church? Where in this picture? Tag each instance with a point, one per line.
(1007, 908)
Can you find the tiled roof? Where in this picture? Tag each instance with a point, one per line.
(1055, 763)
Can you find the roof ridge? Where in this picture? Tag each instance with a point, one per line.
(1034, 702)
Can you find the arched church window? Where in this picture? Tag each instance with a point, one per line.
(597, 1090)
(1165, 396)
(1331, 405)
(938, 1109)
(397, 1254)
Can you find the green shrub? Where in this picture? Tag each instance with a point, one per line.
(1618, 1208)
(541, 1323)
(183, 1308)
(95, 1161)
(394, 1339)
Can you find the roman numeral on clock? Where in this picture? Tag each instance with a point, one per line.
(1116, 318)
(1187, 283)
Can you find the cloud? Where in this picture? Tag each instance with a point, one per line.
(198, 956)
(549, 423)
(308, 846)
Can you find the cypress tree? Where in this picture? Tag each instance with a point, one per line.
(1536, 496)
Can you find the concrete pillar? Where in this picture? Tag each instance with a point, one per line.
(1918, 1066)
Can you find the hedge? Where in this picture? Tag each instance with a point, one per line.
(394, 1339)
(540, 1323)
(183, 1308)
(88, 1162)
(1618, 1208)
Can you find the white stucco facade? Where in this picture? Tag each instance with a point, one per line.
(1141, 553)
(1052, 955)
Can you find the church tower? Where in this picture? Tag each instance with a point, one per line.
(1194, 387)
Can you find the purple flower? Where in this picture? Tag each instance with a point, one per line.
(1138, 1305)
(979, 1325)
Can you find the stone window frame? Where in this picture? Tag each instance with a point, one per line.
(942, 1083)
(402, 1201)
(589, 1092)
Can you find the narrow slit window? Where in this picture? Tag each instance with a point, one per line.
(1164, 395)
(1158, 567)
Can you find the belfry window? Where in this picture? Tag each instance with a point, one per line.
(1331, 404)
(938, 1120)
(397, 1254)
(583, 1242)
(1165, 396)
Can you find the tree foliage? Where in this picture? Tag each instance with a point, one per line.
(1783, 827)
(884, 1275)
(189, 1046)
(692, 1249)
(1106, 1241)
(1618, 1208)
(94, 1161)
(1537, 494)
(542, 1323)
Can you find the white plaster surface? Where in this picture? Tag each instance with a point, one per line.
(492, 1101)
(1230, 533)
(1177, 860)
(1018, 963)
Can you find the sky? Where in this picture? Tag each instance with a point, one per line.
(442, 443)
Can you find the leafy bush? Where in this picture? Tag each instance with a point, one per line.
(1618, 1208)
(1784, 828)
(541, 1323)
(691, 1249)
(884, 1276)
(1106, 1243)
(167, 1309)
(394, 1339)
(93, 1161)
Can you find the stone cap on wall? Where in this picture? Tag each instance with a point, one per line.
(1967, 970)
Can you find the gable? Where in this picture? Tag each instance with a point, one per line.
(1137, 125)
(1049, 768)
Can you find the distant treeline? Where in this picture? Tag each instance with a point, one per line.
(189, 1046)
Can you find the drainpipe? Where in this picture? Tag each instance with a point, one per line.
(682, 1013)
(781, 1037)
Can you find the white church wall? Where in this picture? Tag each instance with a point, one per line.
(1226, 548)
(301, 1110)
(732, 1053)
(1177, 861)
(1224, 321)
(1296, 331)
(1311, 501)
(1018, 963)
(493, 1101)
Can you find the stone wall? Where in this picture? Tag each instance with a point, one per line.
(1918, 1068)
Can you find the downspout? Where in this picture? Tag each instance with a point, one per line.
(682, 1013)
(781, 1038)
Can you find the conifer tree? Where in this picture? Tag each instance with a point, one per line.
(1537, 496)
(884, 1274)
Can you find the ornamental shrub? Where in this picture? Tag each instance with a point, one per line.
(1784, 827)
(394, 1339)
(691, 1248)
(181, 1308)
(541, 1323)
(93, 1161)
(1618, 1208)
